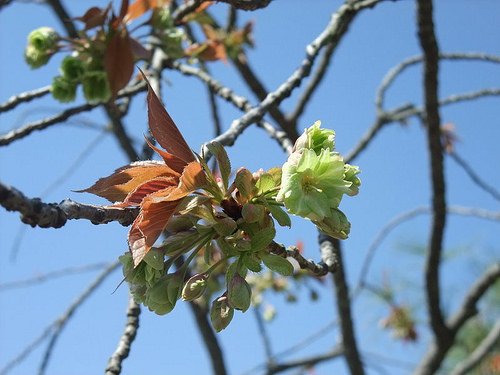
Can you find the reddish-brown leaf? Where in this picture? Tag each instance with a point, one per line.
(171, 160)
(150, 223)
(164, 129)
(215, 51)
(138, 8)
(94, 17)
(123, 9)
(135, 197)
(117, 186)
(139, 50)
(119, 61)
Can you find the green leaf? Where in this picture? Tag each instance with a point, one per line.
(280, 215)
(244, 183)
(262, 238)
(265, 183)
(250, 261)
(222, 160)
(278, 264)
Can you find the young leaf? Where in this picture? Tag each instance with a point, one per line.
(251, 262)
(135, 197)
(119, 61)
(277, 264)
(280, 215)
(164, 129)
(244, 183)
(222, 159)
(262, 238)
(171, 160)
(138, 8)
(117, 186)
(265, 183)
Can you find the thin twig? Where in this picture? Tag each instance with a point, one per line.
(24, 97)
(396, 71)
(61, 322)
(64, 17)
(37, 280)
(482, 350)
(264, 335)
(123, 349)
(400, 219)
(474, 176)
(306, 362)
(27, 129)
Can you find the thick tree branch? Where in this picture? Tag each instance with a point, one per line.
(433, 122)
(483, 349)
(123, 349)
(209, 338)
(54, 215)
(343, 299)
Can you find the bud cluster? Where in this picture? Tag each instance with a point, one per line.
(42, 44)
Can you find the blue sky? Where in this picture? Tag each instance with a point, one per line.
(394, 176)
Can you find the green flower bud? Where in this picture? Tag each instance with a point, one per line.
(194, 287)
(172, 43)
(239, 293)
(63, 89)
(350, 174)
(43, 39)
(316, 139)
(35, 58)
(335, 224)
(96, 87)
(221, 313)
(312, 184)
(162, 19)
(72, 68)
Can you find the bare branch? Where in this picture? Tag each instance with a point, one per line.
(317, 269)
(343, 300)
(436, 353)
(247, 4)
(313, 84)
(406, 111)
(123, 349)
(264, 335)
(483, 349)
(116, 115)
(307, 362)
(22, 132)
(64, 17)
(432, 120)
(391, 76)
(468, 308)
(400, 219)
(51, 275)
(474, 176)
(209, 338)
(54, 215)
(334, 31)
(24, 97)
(61, 322)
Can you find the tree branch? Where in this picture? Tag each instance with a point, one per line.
(24, 97)
(349, 343)
(334, 31)
(123, 349)
(22, 132)
(432, 120)
(483, 349)
(54, 215)
(306, 362)
(209, 338)
(64, 17)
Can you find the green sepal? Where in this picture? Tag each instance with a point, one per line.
(222, 160)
